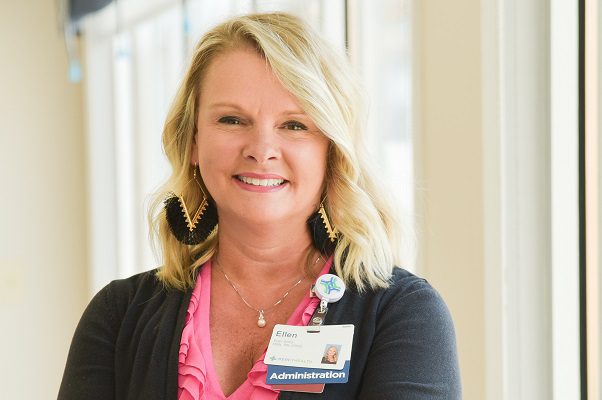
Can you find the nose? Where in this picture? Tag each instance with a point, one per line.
(262, 145)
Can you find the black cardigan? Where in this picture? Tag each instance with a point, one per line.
(127, 342)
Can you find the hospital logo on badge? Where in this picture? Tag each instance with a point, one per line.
(330, 285)
(329, 288)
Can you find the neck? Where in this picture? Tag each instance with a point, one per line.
(264, 255)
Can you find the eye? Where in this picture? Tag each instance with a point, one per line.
(295, 126)
(229, 120)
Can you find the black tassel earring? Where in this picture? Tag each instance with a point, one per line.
(188, 230)
(324, 235)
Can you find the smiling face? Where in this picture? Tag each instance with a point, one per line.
(332, 353)
(261, 157)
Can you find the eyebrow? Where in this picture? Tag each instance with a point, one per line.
(229, 105)
(295, 111)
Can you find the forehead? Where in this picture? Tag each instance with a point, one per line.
(242, 75)
(240, 60)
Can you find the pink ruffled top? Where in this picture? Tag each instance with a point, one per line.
(197, 379)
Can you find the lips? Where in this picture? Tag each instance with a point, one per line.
(260, 181)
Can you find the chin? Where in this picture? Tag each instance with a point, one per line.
(271, 216)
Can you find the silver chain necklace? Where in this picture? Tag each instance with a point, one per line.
(261, 312)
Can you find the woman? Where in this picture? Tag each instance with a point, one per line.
(268, 191)
(331, 356)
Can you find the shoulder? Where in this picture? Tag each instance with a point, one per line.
(132, 294)
(412, 312)
(402, 280)
(133, 313)
(126, 289)
(409, 302)
(405, 282)
(135, 285)
(409, 299)
(414, 297)
(414, 345)
(118, 334)
(405, 286)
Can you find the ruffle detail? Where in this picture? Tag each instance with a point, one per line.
(258, 374)
(192, 369)
(257, 377)
(309, 311)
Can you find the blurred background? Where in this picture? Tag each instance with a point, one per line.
(484, 123)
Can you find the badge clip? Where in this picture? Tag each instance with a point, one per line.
(328, 288)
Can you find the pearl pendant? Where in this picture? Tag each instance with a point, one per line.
(261, 320)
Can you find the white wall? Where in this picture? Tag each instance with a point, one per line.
(449, 171)
(42, 206)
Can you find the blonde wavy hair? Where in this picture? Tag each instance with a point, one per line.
(328, 92)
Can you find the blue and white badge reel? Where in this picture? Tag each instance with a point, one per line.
(329, 288)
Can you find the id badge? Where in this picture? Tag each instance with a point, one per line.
(299, 355)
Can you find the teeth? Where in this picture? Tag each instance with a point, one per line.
(260, 182)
